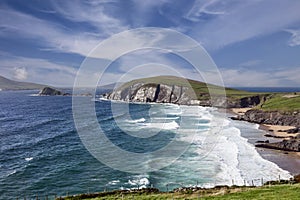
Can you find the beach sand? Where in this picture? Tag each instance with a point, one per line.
(280, 131)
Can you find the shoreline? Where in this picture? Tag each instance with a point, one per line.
(286, 160)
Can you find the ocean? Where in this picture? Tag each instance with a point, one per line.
(42, 153)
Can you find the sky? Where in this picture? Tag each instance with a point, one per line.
(254, 43)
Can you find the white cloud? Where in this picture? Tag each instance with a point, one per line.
(20, 73)
(204, 7)
(252, 78)
(295, 38)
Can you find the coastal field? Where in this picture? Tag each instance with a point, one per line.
(282, 192)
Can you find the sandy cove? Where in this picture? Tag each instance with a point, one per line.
(274, 130)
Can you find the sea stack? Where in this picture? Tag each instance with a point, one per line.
(48, 91)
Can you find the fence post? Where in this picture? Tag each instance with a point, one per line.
(262, 181)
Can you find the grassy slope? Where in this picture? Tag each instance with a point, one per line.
(282, 103)
(7, 84)
(282, 192)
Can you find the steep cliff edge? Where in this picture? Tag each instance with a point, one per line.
(155, 92)
(169, 89)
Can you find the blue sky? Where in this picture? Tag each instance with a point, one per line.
(253, 42)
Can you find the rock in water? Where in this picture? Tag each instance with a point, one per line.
(48, 91)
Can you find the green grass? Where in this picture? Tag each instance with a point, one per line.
(282, 103)
(282, 192)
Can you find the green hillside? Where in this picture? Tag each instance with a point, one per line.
(7, 84)
(283, 102)
(200, 88)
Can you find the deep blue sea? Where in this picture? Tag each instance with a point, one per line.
(42, 153)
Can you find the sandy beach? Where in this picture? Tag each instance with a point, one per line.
(280, 131)
(287, 160)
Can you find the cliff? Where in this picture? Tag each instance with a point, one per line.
(153, 92)
(170, 89)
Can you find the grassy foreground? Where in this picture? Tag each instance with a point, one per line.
(282, 192)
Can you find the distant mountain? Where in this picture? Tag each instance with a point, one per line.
(7, 84)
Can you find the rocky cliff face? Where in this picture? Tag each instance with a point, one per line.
(274, 117)
(246, 102)
(159, 93)
(162, 93)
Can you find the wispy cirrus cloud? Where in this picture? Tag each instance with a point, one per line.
(243, 20)
(92, 13)
(295, 38)
(55, 36)
(201, 8)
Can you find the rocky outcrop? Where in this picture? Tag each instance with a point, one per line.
(152, 92)
(48, 91)
(271, 117)
(286, 145)
(246, 102)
